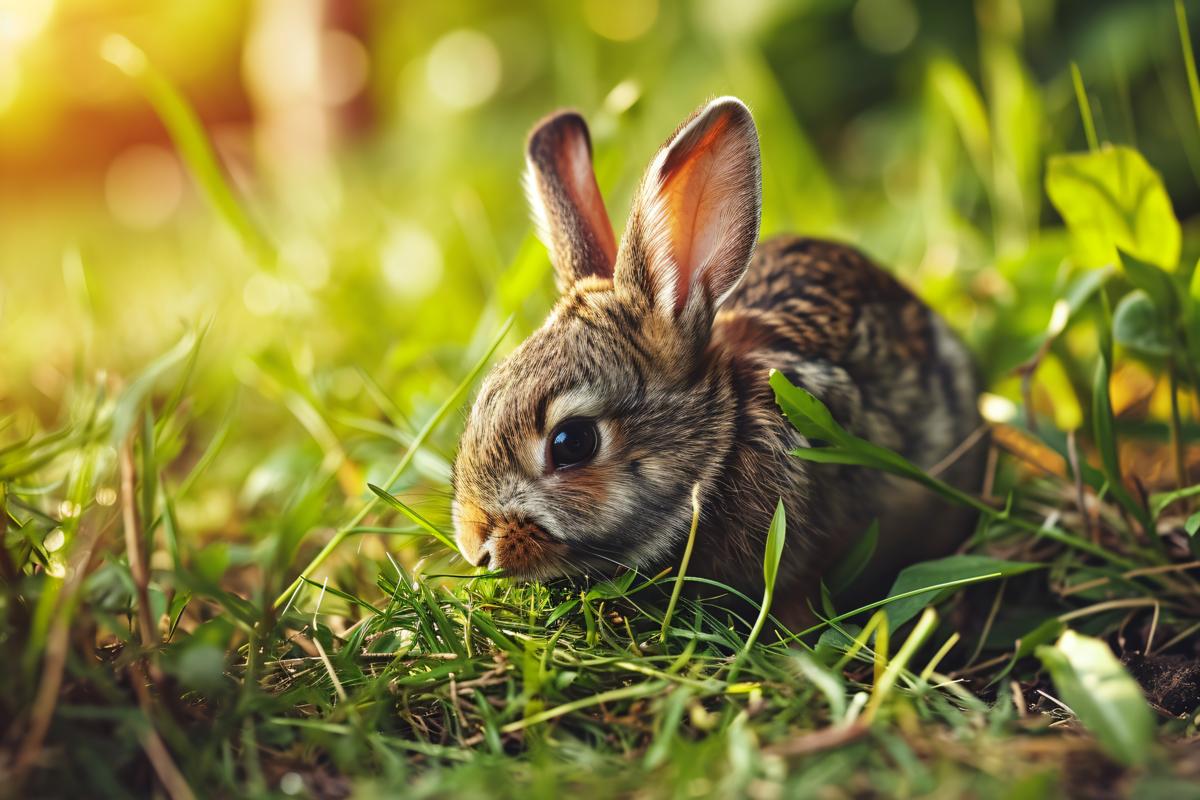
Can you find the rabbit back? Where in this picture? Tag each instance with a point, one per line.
(890, 371)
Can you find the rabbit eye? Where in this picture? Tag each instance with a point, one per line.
(573, 442)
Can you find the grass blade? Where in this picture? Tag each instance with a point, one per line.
(683, 565)
(421, 522)
(450, 402)
(1085, 108)
(776, 538)
(189, 137)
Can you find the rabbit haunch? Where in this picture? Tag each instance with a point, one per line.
(658, 353)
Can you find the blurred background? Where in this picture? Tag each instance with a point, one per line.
(376, 149)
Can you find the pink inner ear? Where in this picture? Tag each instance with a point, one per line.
(696, 185)
(575, 166)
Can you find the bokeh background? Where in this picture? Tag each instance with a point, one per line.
(377, 147)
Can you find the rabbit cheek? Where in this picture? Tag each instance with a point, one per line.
(524, 549)
(472, 528)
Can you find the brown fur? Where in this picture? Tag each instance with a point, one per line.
(670, 356)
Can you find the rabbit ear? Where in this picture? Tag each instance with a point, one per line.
(695, 220)
(567, 207)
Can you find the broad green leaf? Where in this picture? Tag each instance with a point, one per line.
(1193, 524)
(834, 641)
(810, 416)
(806, 413)
(855, 561)
(776, 536)
(835, 455)
(1138, 325)
(1103, 696)
(1112, 198)
(617, 587)
(1154, 282)
(944, 570)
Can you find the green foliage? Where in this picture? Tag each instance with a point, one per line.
(1112, 199)
(967, 567)
(1136, 325)
(311, 627)
(1098, 689)
(191, 141)
(776, 540)
(855, 560)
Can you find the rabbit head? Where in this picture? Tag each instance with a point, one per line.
(582, 446)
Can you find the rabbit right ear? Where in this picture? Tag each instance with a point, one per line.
(695, 219)
(567, 207)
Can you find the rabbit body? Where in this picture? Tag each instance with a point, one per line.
(651, 375)
(889, 370)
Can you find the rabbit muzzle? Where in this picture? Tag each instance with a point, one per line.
(519, 546)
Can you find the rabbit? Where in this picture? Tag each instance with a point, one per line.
(650, 375)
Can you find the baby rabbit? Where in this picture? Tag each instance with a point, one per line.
(650, 375)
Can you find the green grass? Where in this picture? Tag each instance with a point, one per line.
(224, 568)
(455, 686)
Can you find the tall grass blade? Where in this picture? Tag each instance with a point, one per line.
(189, 136)
(776, 538)
(431, 424)
(1189, 57)
(683, 565)
(1085, 108)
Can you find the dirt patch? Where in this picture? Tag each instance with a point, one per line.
(1170, 682)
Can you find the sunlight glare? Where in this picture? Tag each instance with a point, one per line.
(997, 409)
(144, 186)
(411, 261)
(21, 21)
(463, 69)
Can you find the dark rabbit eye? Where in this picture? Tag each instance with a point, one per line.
(573, 442)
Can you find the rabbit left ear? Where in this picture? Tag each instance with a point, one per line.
(695, 219)
(567, 207)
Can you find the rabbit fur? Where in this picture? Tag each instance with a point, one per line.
(663, 345)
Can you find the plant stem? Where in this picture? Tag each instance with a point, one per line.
(1085, 108)
(683, 565)
(1181, 476)
(759, 623)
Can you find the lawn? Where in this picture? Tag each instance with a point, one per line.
(236, 356)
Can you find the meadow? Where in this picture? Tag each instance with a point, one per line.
(228, 411)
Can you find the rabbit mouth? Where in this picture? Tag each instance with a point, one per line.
(524, 550)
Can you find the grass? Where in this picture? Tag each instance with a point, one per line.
(472, 685)
(248, 592)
